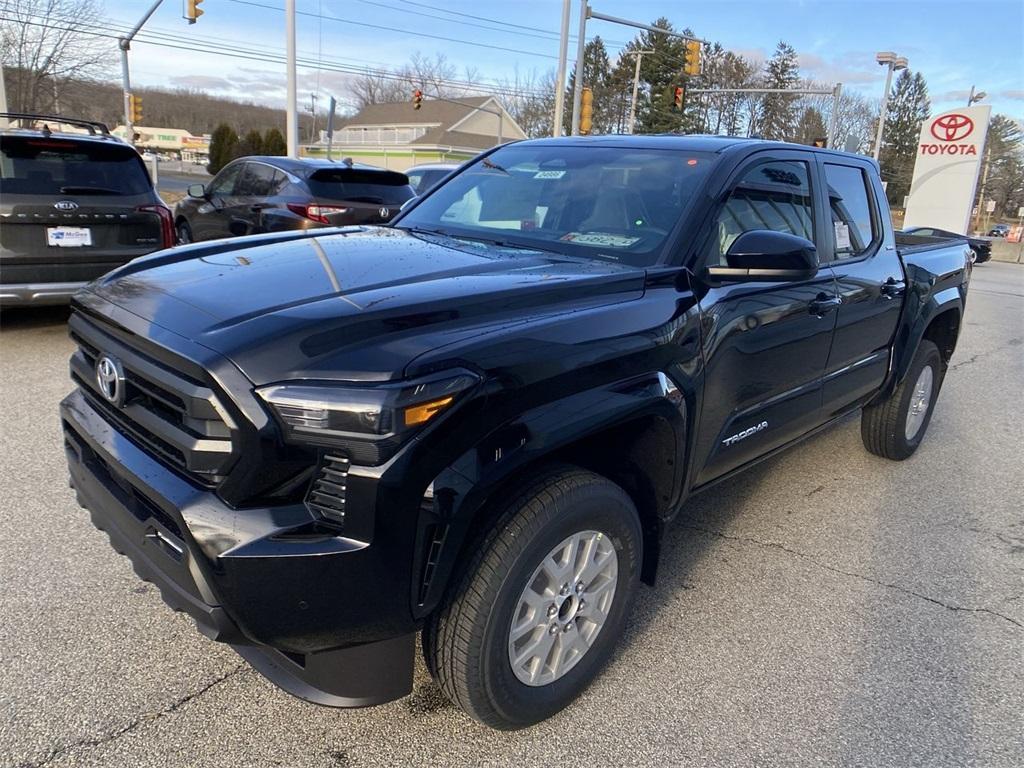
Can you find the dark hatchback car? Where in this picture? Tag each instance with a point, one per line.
(73, 206)
(252, 195)
(980, 246)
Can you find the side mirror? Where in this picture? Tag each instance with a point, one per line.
(763, 255)
(196, 190)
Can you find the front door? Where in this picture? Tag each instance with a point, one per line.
(211, 220)
(765, 344)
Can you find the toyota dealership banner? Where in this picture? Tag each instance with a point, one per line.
(949, 156)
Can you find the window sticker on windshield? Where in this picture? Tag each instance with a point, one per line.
(599, 238)
(549, 174)
(842, 236)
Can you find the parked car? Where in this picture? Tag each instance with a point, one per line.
(73, 206)
(999, 230)
(253, 195)
(423, 177)
(477, 422)
(980, 247)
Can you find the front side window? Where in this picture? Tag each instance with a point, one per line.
(773, 195)
(614, 203)
(853, 228)
(224, 184)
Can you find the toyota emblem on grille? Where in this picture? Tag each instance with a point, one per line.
(384, 212)
(66, 205)
(110, 379)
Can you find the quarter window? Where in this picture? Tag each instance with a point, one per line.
(853, 227)
(773, 195)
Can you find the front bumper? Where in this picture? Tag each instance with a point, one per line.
(295, 605)
(37, 294)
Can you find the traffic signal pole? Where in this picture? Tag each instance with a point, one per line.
(125, 43)
(291, 124)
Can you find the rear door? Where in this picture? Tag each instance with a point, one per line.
(256, 182)
(869, 280)
(72, 209)
(368, 196)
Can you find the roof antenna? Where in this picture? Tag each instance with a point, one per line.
(347, 161)
(46, 130)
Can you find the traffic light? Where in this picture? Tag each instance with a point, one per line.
(821, 143)
(691, 59)
(192, 10)
(417, 99)
(677, 99)
(586, 112)
(135, 108)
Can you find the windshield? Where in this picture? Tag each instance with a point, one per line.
(617, 203)
(51, 166)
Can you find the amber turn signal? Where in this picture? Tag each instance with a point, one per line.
(418, 414)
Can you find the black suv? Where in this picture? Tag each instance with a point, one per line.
(273, 194)
(74, 206)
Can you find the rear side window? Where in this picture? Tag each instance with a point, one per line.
(357, 186)
(853, 227)
(773, 195)
(52, 167)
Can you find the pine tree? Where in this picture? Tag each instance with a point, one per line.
(660, 73)
(777, 119)
(223, 146)
(274, 143)
(252, 144)
(810, 127)
(1004, 153)
(908, 108)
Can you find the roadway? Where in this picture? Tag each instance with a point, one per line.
(828, 607)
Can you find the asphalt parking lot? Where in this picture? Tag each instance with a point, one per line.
(829, 607)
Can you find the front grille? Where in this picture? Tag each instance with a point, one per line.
(326, 496)
(171, 415)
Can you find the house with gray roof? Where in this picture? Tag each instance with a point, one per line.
(397, 136)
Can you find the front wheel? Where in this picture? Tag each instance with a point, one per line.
(538, 609)
(184, 232)
(895, 427)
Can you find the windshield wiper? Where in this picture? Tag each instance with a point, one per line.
(488, 164)
(72, 190)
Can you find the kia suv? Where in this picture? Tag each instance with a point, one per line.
(252, 195)
(76, 203)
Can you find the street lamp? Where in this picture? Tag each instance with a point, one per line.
(975, 97)
(892, 62)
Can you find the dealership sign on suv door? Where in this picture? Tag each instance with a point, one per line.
(949, 156)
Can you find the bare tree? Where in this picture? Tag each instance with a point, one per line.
(530, 99)
(44, 43)
(857, 115)
(435, 76)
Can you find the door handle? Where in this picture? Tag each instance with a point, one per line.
(260, 207)
(824, 304)
(892, 288)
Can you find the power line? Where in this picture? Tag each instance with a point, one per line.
(199, 45)
(396, 29)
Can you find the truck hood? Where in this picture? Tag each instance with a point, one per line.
(354, 304)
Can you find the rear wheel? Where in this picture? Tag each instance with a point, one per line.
(895, 427)
(538, 609)
(184, 232)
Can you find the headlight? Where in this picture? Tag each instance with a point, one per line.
(369, 422)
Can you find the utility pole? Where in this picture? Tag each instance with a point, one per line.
(833, 123)
(291, 124)
(3, 98)
(984, 181)
(636, 86)
(563, 53)
(577, 90)
(125, 43)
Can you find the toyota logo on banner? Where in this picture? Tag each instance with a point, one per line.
(952, 127)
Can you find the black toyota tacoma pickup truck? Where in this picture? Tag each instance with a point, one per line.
(475, 423)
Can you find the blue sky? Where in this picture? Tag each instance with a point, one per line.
(954, 44)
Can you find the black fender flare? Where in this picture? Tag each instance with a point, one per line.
(462, 491)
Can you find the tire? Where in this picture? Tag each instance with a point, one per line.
(894, 428)
(184, 232)
(468, 642)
